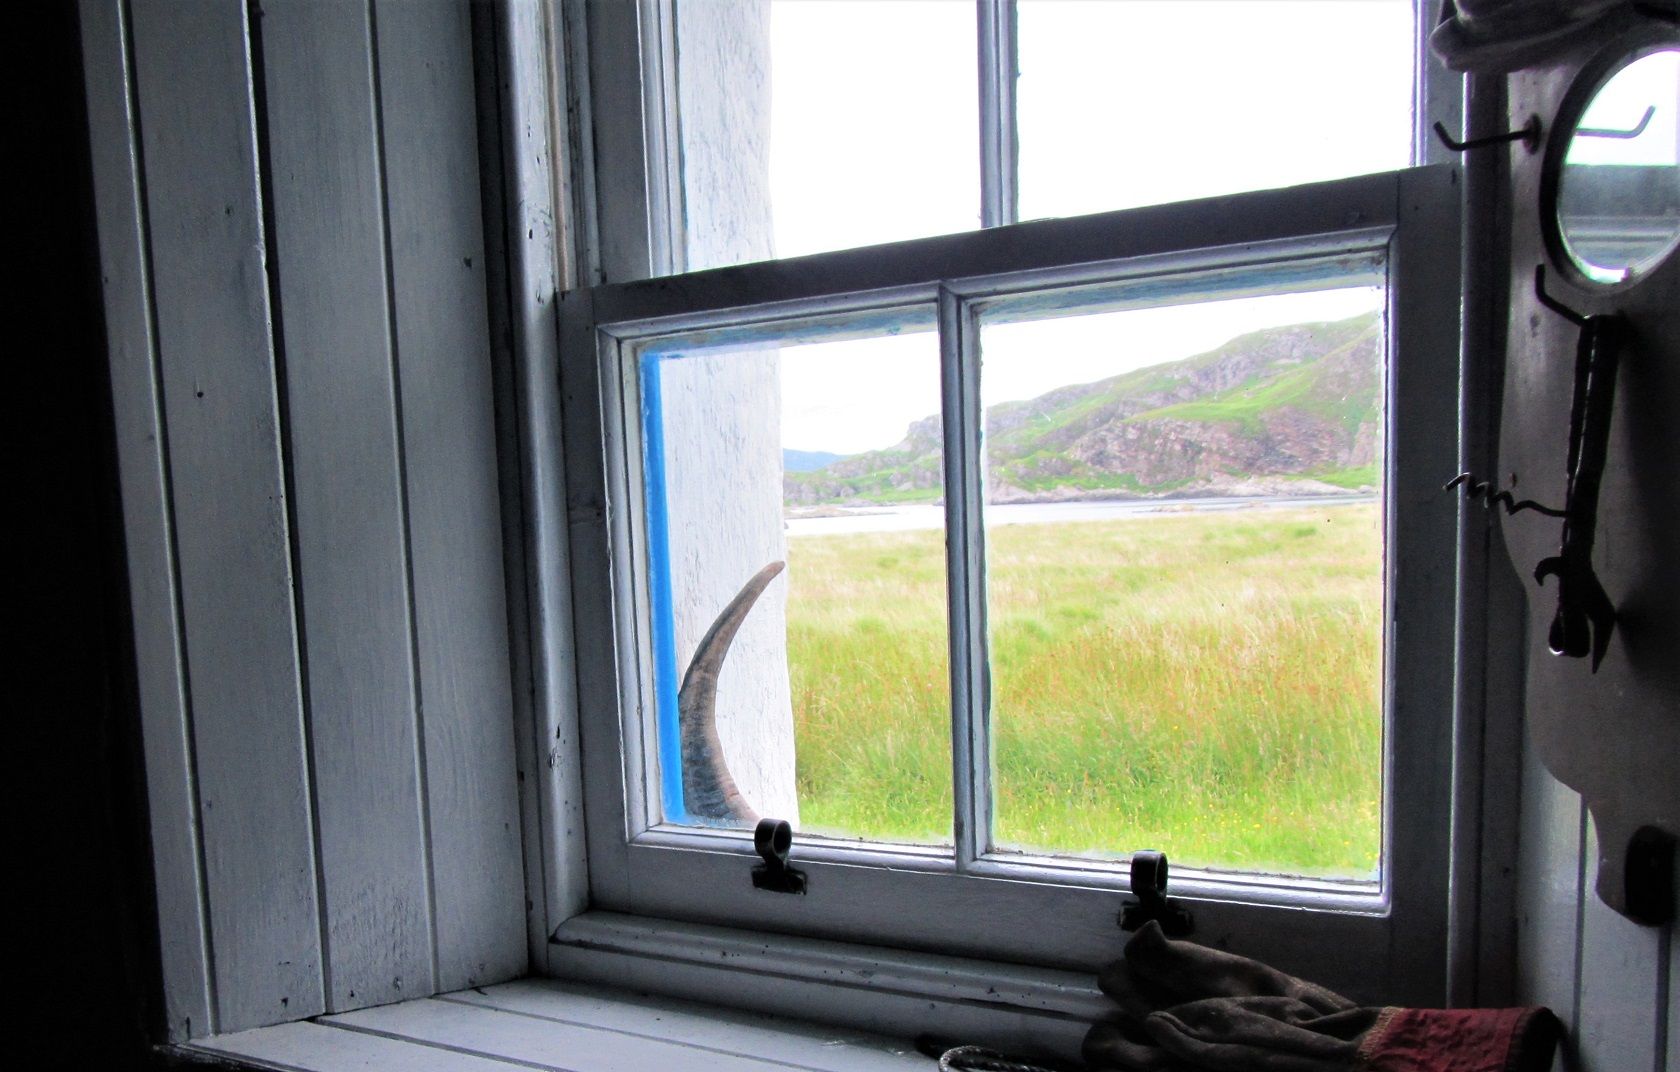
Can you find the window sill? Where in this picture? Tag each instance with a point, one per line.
(550, 1025)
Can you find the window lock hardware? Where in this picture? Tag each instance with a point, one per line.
(1528, 134)
(772, 838)
(1149, 884)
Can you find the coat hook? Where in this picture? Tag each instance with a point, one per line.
(1606, 132)
(1552, 303)
(1528, 134)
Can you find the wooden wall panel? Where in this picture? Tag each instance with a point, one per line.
(197, 126)
(136, 411)
(1549, 891)
(1620, 1008)
(429, 118)
(1671, 1015)
(328, 258)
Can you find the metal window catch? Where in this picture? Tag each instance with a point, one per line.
(1149, 884)
(1528, 134)
(773, 838)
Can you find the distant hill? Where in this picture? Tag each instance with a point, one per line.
(804, 461)
(1283, 410)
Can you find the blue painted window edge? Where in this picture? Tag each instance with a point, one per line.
(659, 592)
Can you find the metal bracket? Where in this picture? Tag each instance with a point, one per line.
(773, 838)
(1149, 883)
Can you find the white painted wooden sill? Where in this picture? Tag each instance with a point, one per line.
(557, 1027)
(652, 994)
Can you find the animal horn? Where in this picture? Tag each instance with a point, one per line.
(709, 790)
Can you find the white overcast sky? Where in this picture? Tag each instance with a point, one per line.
(874, 138)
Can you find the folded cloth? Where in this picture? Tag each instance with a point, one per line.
(1186, 1008)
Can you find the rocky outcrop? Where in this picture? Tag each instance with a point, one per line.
(1277, 407)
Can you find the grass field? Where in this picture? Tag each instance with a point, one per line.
(1201, 683)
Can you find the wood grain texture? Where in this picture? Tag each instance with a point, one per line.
(160, 671)
(454, 513)
(328, 255)
(548, 738)
(193, 73)
(315, 1048)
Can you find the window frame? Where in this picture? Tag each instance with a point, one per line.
(1036, 913)
(614, 100)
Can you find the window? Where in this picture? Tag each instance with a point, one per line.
(934, 366)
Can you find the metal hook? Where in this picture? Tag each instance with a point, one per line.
(1606, 132)
(1552, 303)
(1528, 134)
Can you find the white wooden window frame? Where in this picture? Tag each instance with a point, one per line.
(615, 66)
(1388, 939)
(604, 91)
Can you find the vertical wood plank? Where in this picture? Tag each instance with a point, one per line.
(1671, 1014)
(443, 341)
(1620, 986)
(328, 253)
(1548, 891)
(198, 135)
(525, 241)
(149, 541)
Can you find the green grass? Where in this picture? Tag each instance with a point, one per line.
(1201, 683)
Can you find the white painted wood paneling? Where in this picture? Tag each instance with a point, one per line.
(547, 738)
(545, 1043)
(552, 1026)
(1620, 1007)
(454, 513)
(314, 1048)
(1671, 1021)
(328, 259)
(160, 672)
(193, 74)
(1548, 895)
(802, 1044)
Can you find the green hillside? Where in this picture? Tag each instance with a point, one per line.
(1282, 409)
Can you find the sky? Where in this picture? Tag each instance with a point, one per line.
(1121, 103)
(862, 394)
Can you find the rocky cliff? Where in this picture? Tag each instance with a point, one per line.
(1286, 410)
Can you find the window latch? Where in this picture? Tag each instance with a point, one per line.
(1149, 884)
(772, 838)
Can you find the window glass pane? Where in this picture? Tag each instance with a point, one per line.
(1185, 581)
(832, 706)
(813, 125)
(1140, 102)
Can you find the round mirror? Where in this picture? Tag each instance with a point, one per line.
(1618, 193)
